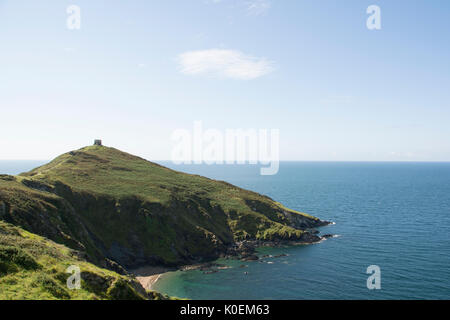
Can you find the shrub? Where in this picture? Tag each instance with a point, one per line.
(12, 256)
(50, 285)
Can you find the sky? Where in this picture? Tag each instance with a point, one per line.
(136, 71)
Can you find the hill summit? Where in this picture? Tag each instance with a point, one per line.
(122, 212)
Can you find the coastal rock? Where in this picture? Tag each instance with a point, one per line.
(310, 238)
(251, 257)
(210, 271)
(145, 214)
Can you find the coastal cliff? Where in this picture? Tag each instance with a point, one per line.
(121, 212)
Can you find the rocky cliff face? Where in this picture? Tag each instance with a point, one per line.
(123, 212)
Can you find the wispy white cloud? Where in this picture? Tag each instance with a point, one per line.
(224, 63)
(212, 1)
(258, 7)
(252, 7)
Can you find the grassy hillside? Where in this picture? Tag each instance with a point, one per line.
(124, 211)
(32, 267)
(108, 171)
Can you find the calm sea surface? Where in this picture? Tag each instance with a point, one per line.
(394, 215)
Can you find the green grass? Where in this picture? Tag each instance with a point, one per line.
(32, 267)
(120, 175)
(109, 203)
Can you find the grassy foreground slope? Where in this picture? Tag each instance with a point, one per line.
(124, 211)
(32, 267)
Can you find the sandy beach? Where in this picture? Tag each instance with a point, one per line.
(148, 276)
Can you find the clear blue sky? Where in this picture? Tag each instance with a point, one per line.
(336, 90)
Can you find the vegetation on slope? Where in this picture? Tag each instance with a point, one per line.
(124, 211)
(32, 267)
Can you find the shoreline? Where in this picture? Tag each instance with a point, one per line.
(148, 276)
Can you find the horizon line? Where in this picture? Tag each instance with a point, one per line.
(329, 161)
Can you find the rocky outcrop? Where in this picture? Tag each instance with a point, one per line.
(122, 212)
(129, 233)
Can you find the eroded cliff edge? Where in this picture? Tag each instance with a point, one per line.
(121, 211)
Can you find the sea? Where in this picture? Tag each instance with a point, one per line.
(391, 217)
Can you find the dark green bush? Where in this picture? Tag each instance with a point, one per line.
(10, 256)
(51, 286)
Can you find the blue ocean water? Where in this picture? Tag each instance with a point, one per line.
(18, 166)
(394, 215)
